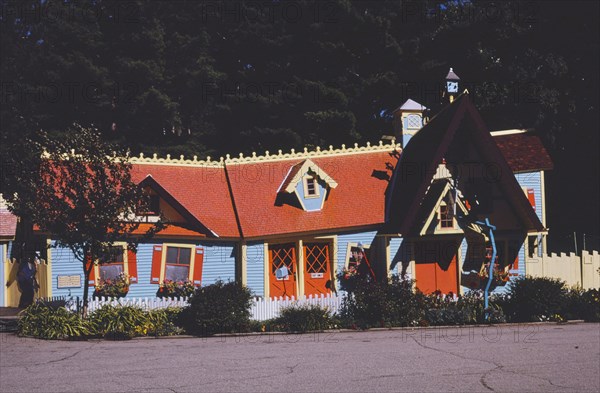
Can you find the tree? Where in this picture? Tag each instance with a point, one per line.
(80, 192)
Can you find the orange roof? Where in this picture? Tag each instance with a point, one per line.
(8, 224)
(357, 201)
(524, 152)
(200, 190)
(170, 230)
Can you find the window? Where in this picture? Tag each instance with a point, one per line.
(414, 122)
(311, 186)
(354, 255)
(177, 264)
(111, 263)
(446, 214)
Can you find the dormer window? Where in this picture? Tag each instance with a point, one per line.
(311, 187)
(445, 216)
(308, 183)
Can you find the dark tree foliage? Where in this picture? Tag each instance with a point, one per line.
(216, 77)
(79, 190)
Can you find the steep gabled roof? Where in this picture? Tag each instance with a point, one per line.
(427, 149)
(296, 172)
(196, 224)
(200, 190)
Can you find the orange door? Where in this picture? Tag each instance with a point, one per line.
(437, 276)
(281, 255)
(425, 276)
(317, 268)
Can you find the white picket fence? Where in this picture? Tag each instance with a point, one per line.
(260, 310)
(263, 309)
(146, 303)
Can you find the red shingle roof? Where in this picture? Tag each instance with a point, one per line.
(359, 199)
(524, 152)
(8, 224)
(202, 191)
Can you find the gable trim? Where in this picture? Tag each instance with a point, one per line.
(149, 181)
(297, 173)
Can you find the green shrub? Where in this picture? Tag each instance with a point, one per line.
(218, 308)
(45, 321)
(582, 304)
(383, 303)
(303, 318)
(162, 322)
(467, 309)
(119, 322)
(531, 299)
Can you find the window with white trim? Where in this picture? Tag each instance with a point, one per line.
(111, 263)
(445, 214)
(177, 263)
(311, 186)
(354, 255)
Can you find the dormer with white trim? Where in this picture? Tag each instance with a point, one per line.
(308, 183)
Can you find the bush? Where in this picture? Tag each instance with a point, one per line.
(532, 299)
(384, 303)
(119, 322)
(162, 322)
(303, 318)
(467, 309)
(582, 304)
(218, 308)
(41, 320)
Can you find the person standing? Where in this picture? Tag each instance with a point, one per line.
(26, 281)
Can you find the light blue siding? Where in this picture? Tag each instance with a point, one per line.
(219, 263)
(397, 255)
(533, 180)
(255, 268)
(365, 238)
(312, 204)
(65, 263)
(143, 288)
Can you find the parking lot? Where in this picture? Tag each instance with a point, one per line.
(523, 358)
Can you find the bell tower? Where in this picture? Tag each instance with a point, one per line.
(408, 120)
(452, 81)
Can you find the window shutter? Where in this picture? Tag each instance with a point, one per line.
(198, 261)
(531, 196)
(156, 264)
(515, 264)
(92, 281)
(132, 267)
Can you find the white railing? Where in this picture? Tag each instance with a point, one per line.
(263, 309)
(260, 309)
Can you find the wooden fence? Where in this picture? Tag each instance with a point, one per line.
(577, 271)
(260, 310)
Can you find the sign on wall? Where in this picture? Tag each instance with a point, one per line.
(68, 281)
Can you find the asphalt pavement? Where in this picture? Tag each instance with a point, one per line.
(518, 358)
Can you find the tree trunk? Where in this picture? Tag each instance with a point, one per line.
(87, 270)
